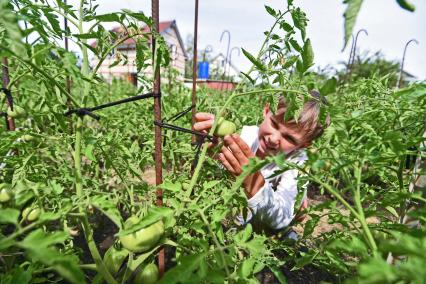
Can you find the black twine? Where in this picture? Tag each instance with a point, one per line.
(185, 130)
(9, 97)
(88, 111)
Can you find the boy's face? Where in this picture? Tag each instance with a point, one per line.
(276, 136)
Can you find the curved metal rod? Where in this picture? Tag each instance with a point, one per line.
(349, 59)
(352, 50)
(352, 60)
(209, 48)
(227, 49)
(230, 57)
(403, 60)
(355, 44)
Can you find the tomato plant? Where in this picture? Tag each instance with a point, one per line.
(143, 239)
(65, 196)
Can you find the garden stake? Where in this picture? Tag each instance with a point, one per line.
(157, 116)
(230, 57)
(10, 124)
(227, 54)
(354, 50)
(208, 48)
(349, 60)
(194, 67)
(403, 61)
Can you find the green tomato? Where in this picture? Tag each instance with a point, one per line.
(148, 275)
(17, 112)
(224, 127)
(5, 195)
(27, 138)
(143, 239)
(114, 258)
(31, 213)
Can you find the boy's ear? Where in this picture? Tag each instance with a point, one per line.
(266, 110)
(306, 144)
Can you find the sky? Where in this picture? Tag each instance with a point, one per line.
(389, 27)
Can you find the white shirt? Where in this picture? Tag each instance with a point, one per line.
(273, 204)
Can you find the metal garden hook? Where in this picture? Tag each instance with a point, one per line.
(230, 57)
(355, 44)
(353, 50)
(403, 60)
(227, 49)
(209, 48)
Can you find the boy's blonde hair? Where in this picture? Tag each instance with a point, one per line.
(309, 118)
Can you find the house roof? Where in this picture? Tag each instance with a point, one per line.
(163, 27)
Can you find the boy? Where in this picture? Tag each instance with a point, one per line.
(270, 200)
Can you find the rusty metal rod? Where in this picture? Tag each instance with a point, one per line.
(354, 50)
(230, 59)
(194, 68)
(403, 61)
(227, 55)
(155, 7)
(6, 80)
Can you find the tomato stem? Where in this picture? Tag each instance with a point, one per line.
(77, 161)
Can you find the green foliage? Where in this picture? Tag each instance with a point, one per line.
(88, 176)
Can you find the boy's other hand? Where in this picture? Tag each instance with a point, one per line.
(234, 155)
(203, 123)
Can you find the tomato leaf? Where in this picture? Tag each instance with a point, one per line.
(277, 272)
(248, 77)
(183, 271)
(259, 65)
(108, 208)
(9, 215)
(406, 5)
(350, 16)
(329, 87)
(290, 61)
(270, 11)
(307, 55)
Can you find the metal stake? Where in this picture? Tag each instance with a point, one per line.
(354, 50)
(227, 53)
(230, 58)
(403, 61)
(157, 116)
(194, 69)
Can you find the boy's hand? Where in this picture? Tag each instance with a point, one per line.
(234, 155)
(203, 123)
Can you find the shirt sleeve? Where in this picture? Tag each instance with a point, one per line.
(276, 208)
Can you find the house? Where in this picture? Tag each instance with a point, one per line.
(218, 79)
(128, 71)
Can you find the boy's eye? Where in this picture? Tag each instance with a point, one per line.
(290, 139)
